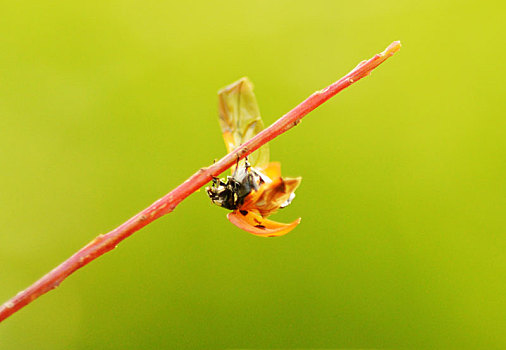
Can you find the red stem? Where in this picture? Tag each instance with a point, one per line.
(104, 243)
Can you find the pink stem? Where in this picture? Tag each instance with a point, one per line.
(104, 243)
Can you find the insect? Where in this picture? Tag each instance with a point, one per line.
(255, 189)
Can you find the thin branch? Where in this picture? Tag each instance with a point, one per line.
(104, 243)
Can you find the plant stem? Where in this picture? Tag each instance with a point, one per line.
(104, 243)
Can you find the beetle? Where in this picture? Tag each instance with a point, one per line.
(256, 189)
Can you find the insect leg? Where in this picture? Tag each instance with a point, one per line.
(247, 164)
(236, 167)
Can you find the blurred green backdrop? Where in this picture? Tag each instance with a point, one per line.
(107, 105)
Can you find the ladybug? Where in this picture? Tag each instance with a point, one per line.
(255, 190)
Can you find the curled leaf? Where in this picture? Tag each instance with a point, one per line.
(240, 119)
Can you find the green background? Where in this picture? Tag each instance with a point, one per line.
(107, 105)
